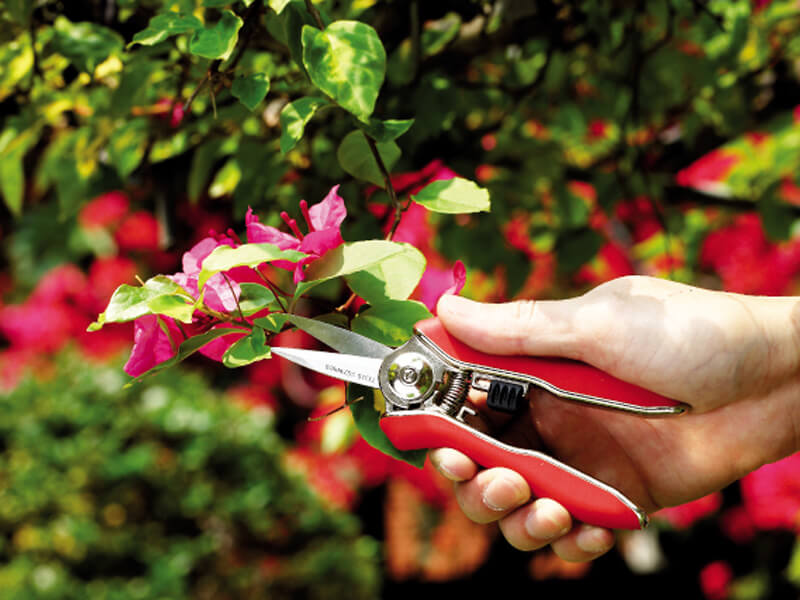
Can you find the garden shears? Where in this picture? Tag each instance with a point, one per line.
(426, 382)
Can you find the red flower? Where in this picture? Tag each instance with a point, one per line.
(139, 231)
(106, 275)
(610, 263)
(106, 210)
(771, 495)
(685, 515)
(709, 172)
(746, 261)
(323, 220)
(598, 129)
(715, 580)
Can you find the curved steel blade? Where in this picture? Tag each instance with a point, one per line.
(340, 339)
(347, 367)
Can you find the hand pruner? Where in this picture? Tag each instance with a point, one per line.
(425, 383)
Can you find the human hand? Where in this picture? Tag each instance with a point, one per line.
(733, 359)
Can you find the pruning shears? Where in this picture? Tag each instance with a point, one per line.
(426, 382)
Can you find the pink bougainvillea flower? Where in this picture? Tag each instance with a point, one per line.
(324, 221)
(708, 173)
(685, 515)
(436, 282)
(152, 345)
(771, 495)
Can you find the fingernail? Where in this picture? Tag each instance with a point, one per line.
(439, 458)
(593, 540)
(545, 521)
(503, 494)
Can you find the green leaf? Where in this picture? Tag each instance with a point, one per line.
(165, 25)
(394, 278)
(362, 402)
(576, 248)
(12, 182)
(273, 322)
(777, 217)
(187, 348)
(131, 302)
(357, 159)
(254, 297)
(217, 40)
(391, 322)
(347, 62)
(453, 196)
(388, 130)
(127, 146)
(251, 89)
(247, 255)
(294, 118)
(20, 10)
(172, 306)
(86, 44)
(278, 5)
(346, 259)
(247, 350)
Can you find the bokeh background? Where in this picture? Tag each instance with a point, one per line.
(615, 138)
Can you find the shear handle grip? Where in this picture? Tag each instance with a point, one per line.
(564, 377)
(586, 499)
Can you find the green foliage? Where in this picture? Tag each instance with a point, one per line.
(162, 490)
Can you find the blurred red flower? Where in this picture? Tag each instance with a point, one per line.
(685, 515)
(708, 172)
(771, 495)
(715, 580)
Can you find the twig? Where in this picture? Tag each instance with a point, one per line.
(276, 291)
(312, 10)
(233, 293)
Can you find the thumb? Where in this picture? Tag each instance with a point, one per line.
(526, 327)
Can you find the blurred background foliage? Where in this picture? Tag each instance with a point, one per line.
(658, 138)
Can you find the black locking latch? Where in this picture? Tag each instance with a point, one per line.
(504, 396)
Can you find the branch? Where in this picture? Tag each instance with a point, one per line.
(312, 10)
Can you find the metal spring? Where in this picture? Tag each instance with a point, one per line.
(453, 398)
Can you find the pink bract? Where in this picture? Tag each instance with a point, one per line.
(323, 220)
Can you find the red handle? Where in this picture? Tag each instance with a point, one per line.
(587, 499)
(559, 374)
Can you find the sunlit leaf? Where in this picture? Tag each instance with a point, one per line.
(394, 278)
(246, 255)
(455, 195)
(165, 25)
(294, 118)
(217, 40)
(347, 62)
(131, 302)
(247, 350)
(390, 322)
(85, 44)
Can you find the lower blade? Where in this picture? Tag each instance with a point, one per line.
(347, 367)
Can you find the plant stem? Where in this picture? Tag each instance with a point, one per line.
(312, 10)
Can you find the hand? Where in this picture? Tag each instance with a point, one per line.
(733, 359)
